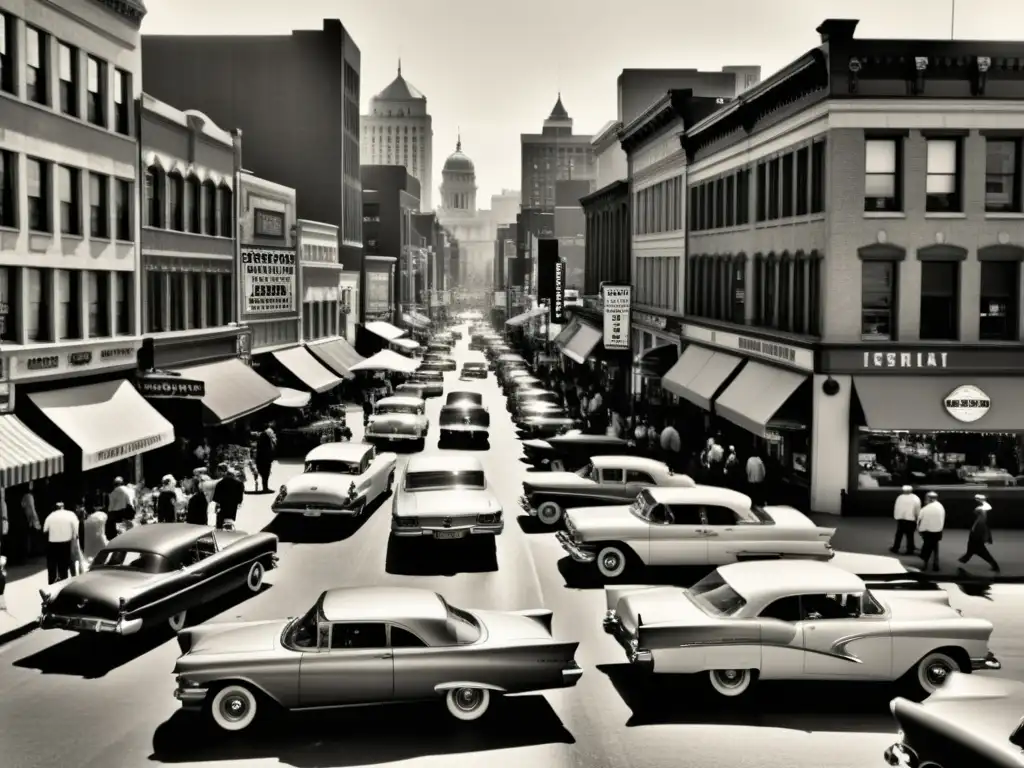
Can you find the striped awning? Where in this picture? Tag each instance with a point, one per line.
(25, 456)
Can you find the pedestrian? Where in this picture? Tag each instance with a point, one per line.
(905, 512)
(755, 477)
(197, 511)
(980, 535)
(670, 444)
(930, 522)
(60, 529)
(730, 468)
(266, 451)
(28, 511)
(120, 506)
(228, 496)
(94, 534)
(168, 500)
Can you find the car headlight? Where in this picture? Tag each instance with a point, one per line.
(489, 519)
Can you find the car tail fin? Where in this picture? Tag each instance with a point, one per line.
(542, 616)
(614, 594)
(185, 641)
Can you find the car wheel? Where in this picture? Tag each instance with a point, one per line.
(611, 562)
(468, 703)
(731, 682)
(549, 513)
(233, 708)
(177, 621)
(934, 670)
(557, 465)
(254, 579)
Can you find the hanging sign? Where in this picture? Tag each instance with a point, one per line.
(558, 300)
(168, 387)
(616, 301)
(268, 280)
(967, 403)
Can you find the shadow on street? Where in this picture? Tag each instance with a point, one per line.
(424, 556)
(586, 575)
(364, 736)
(530, 525)
(325, 529)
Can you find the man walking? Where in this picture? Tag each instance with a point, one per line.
(228, 496)
(120, 506)
(905, 511)
(60, 528)
(930, 523)
(266, 451)
(980, 535)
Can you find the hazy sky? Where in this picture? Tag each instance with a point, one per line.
(494, 67)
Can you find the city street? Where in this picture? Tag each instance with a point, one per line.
(109, 704)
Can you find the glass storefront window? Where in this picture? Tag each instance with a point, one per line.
(890, 459)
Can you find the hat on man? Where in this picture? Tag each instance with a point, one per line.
(932, 495)
(908, 489)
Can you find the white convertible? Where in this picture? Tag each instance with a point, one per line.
(795, 620)
(338, 479)
(445, 497)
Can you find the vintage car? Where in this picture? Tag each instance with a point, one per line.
(545, 421)
(440, 345)
(414, 389)
(526, 402)
(795, 620)
(572, 450)
(455, 333)
(536, 408)
(152, 575)
(404, 405)
(436, 363)
(337, 479)
(432, 381)
(473, 371)
(605, 481)
(298, 438)
(391, 428)
(689, 526)
(509, 359)
(464, 417)
(445, 497)
(515, 378)
(464, 396)
(970, 721)
(370, 645)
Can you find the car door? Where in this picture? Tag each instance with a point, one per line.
(352, 665)
(724, 534)
(636, 481)
(676, 535)
(371, 469)
(416, 664)
(842, 644)
(611, 488)
(782, 639)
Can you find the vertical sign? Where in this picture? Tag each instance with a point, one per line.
(547, 259)
(558, 302)
(616, 300)
(268, 280)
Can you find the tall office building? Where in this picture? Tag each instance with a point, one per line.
(399, 131)
(554, 154)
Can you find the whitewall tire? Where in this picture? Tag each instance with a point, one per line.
(468, 703)
(731, 682)
(177, 621)
(934, 670)
(233, 708)
(611, 562)
(254, 579)
(549, 513)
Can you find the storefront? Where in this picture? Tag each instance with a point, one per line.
(944, 418)
(584, 356)
(656, 346)
(416, 322)
(379, 290)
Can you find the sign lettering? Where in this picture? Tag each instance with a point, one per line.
(268, 280)
(268, 223)
(42, 363)
(558, 302)
(906, 359)
(767, 349)
(171, 387)
(617, 301)
(74, 358)
(967, 403)
(127, 449)
(79, 358)
(118, 353)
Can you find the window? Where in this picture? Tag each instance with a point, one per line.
(355, 636)
(743, 197)
(774, 183)
(154, 197)
(940, 298)
(177, 300)
(762, 192)
(730, 200)
(720, 516)
(1002, 175)
(1000, 284)
(35, 66)
(783, 609)
(788, 182)
(123, 210)
(227, 300)
(882, 175)
(96, 73)
(37, 175)
(69, 296)
(209, 208)
(192, 202)
(403, 638)
(99, 216)
(8, 189)
(636, 476)
(8, 302)
(123, 303)
(6, 53)
(68, 73)
(122, 100)
(38, 285)
(98, 287)
(878, 300)
(213, 308)
(227, 213)
(678, 514)
(803, 180)
(176, 202)
(195, 301)
(716, 596)
(155, 302)
(70, 200)
(818, 177)
(942, 187)
(612, 475)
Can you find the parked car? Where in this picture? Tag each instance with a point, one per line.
(473, 371)
(572, 450)
(456, 334)
(542, 423)
(445, 497)
(404, 405)
(338, 479)
(412, 389)
(439, 345)
(464, 420)
(432, 381)
(537, 408)
(530, 401)
(605, 481)
(795, 620)
(689, 526)
(464, 396)
(153, 575)
(389, 429)
(435, 363)
(516, 378)
(425, 649)
(970, 721)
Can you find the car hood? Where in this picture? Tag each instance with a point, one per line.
(910, 608)
(320, 481)
(560, 480)
(431, 503)
(596, 521)
(234, 637)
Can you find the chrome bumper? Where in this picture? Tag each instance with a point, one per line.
(395, 437)
(492, 529)
(462, 429)
(989, 661)
(86, 625)
(578, 552)
(901, 756)
(191, 698)
(636, 657)
(571, 675)
(299, 509)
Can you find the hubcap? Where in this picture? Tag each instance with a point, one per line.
(468, 699)
(729, 677)
(611, 561)
(255, 576)
(937, 673)
(235, 707)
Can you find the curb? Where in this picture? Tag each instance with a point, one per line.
(18, 632)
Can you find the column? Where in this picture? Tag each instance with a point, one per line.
(78, 278)
(188, 285)
(204, 289)
(111, 304)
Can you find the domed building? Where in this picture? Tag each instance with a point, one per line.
(473, 228)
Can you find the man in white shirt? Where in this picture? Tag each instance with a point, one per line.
(61, 529)
(905, 512)
(930, 523)
(120, 506)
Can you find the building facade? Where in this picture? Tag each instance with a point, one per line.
(570, 228)
(637, 89)
(391, 197)
(434, 240)
(554, 154)
(330, 298)
(472, 228)
(398, 131)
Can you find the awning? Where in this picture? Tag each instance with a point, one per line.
(421, 319)
(293, 398)
(307, 369)
(416, 322)
(386, 331)
(699, 373)
(337, 354)
(918, 403)
(582, 343)
(567, 333)
(408, 344)
(24, 455)
(233, 390)
(109, 421)
(657, 361)
(756, 395)
(525, 317)
(386, 360)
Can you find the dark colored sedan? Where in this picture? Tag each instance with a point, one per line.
(473, 371)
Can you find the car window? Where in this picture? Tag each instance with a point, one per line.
(333, 467)
(350, 636)
(587, 472)
(783, 609)
(636, 476)
(445, 480)
(684, 514)
(719, 515)
(128, 559)
(403, 638)
(820, 607)
(612, 475)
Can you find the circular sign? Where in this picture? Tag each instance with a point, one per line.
(967, 403)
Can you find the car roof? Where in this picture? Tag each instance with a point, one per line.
(474, 364)
(789, 577)
(159, 538)
(427, 374)
(628, 462)
(446, 463)
(339, 452)
(381, 604)
(400, 400)
(699, 494)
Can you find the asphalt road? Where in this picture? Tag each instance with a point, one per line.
(106, 705)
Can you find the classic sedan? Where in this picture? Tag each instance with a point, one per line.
(414, 389)
(517, 378)
(785, 620)
(445, 497)
(404, 405)
(152, 575)
(543, 421)
(432, 381)
(437, 363)
(473, 371)
(338, 479)
(605, 481)
(370, 645)
(572, 450)
(689, 526)
(531, 395)
(396, 428)
(970, 721)
(465, 420)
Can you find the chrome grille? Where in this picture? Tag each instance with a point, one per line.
(438, 521)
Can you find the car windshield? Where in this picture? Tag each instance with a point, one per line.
(462, 626)
(473, 366)
(333, 466)
(147, 562)
(588, 472)
(715, 596)
(443, 480)
(408, 389)
(643, 505)
(303, 632)
(386, 408)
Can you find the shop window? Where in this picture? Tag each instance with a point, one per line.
(98, 290)
(96, 91)
(942, 186)
(99, 210)
(69, 302)
(123, 297)
(227, 299)
(890, 459)
(878, 300)
(209, 208)
(176, 202)
(177, 300)
(940, 299)
(998, 310)
(8, 303)
(155, 302)
(36, 70)
(192, 203)
(67, 60)
(38, 178)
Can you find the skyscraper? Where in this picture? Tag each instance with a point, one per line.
(554, 154)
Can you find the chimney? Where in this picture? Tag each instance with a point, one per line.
(838, 30)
